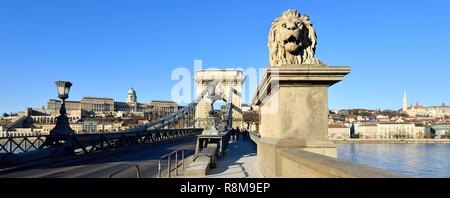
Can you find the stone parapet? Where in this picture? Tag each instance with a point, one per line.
(297, 163)
(279, 158)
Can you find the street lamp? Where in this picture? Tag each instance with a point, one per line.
(62, 126)
(63, 93)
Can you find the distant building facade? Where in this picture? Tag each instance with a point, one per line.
(102, 106)
(367, 131)
(246, 107)
(54, 105)
(440, 130)
(391, 130)
(162, 108)
(97, 105)
(419, 110)
(83, 127)
(338, 132)
(3, 132)
(121, 106)
(90, 115)
(401, 131)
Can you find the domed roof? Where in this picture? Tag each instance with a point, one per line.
(131, 91)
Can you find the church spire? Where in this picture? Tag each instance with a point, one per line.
(405, 102)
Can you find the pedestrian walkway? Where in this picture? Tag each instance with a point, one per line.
(239, 162)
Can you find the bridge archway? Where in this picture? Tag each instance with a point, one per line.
(229, 84)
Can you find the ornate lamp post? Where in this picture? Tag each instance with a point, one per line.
(62, 127)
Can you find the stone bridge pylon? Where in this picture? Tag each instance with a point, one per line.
(228, 86)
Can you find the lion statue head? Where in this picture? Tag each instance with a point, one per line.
(292, 40)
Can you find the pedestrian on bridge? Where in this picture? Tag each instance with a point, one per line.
(238, 132)
(246, 135)
(232, 134)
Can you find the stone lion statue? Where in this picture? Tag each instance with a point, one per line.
(292, 40)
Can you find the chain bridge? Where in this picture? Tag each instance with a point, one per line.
(292, 100)
(177, 132)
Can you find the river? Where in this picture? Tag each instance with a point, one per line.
(417, 160)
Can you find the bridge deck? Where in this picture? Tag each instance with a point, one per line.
(239, 162)
(105, 164)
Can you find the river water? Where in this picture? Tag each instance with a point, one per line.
(417, 160)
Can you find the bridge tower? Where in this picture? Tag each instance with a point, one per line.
(229, 84)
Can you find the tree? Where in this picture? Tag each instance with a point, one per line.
(251, 117)
(403, 114)
(5, 115)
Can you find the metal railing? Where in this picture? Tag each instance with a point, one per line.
(89, 143)
(170, 169)
(21, 144)
(19, 150)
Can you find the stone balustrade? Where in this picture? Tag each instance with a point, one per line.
(298, 163)
(393, 141)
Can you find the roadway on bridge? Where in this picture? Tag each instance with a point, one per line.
(102, 165)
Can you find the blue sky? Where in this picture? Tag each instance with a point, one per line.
(107, 46)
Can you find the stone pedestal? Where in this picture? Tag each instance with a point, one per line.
(210, 128)
(293, 102)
